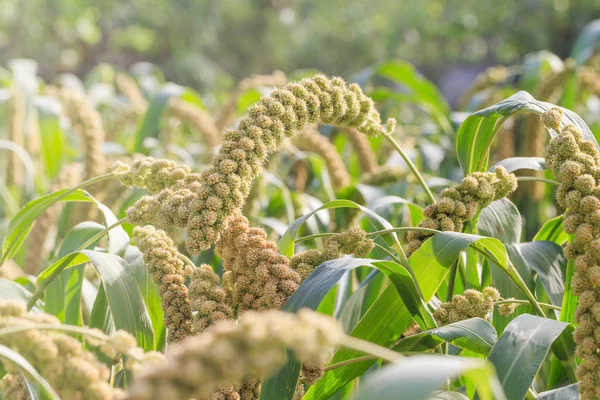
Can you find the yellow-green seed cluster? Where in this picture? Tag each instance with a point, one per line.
(353, 241)
(575, 162)
(222, 189)
(228, 352)
(258, 277)
(151, 174)
(384, 175)
(470, 304)
(228, 112)
(459, 204)
(16, 134)
(209, 299)
(72, 371)
(13, 387)
(362, 148)
(167, 269)
(312, 141)
(507, 308)
(196, 118)
(88, 125)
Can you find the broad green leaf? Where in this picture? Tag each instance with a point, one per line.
(475, 334)
(477, 132)
(569, 392)
(9, 354)
(502, 220)
(520, 350)
(122, 292)
(20, 225)
(518, 163)
(362, 298)
(100, 316)
(314, 289)
(415, 89)
(537, 66)
(388, 318)
(63, 295)
(586, 42)
(547, 260)
(149, 292)
(418, 377)
(416, 212)
(13, 291)
(553, 231)
(286, 243)
(123, 296)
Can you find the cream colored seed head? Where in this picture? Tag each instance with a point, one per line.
(227, 353)
(259, 277)
(280, 115)
(167, 270)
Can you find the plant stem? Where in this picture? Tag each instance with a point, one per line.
(536, 179)
(410, 165)
(188, 262)
(452, 281)
(513, 274)
(54, 327)
(515, 301)
(389, 253)
(40, 289)
(402, 229)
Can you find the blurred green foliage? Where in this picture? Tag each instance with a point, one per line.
(208, 43)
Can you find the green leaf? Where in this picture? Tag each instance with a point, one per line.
(20, 225)
(63, 295)
(52, 142)
(518, 163)
(9, 354)
(520, 350)
(547, 260)
(417, 377)
(415, 89)
(314, 289)
(536, 67)
(388, 317)
(123, 296)
(286, 243)
(564, 393)
(10, 290)
(149, 292)
(586, 42)
(100, 317)
(477, 132)
(475, 334)
(150, 126)
(553, 231)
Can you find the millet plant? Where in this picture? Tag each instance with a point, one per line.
(290, 243)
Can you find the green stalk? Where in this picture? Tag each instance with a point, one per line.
(536, 179)
(452, 281)
(410, 165)
(515, 301)
(39, 291)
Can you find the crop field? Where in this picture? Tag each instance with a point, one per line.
(300, 235)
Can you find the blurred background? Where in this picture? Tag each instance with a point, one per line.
(215, 43)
